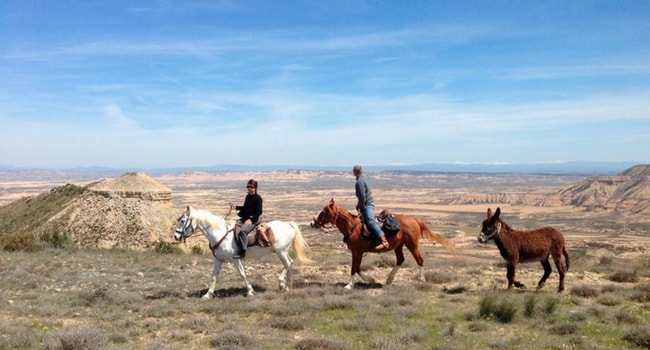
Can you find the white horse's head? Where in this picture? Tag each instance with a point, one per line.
(185, 226)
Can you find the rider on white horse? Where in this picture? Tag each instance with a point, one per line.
(249, 216)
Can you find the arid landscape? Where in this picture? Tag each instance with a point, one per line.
(124, 293)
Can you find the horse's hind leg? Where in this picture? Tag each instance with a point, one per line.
(399, 260)
(547, 272)
(242, 273)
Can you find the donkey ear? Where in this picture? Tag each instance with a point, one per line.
(489, 213)
(497, 213)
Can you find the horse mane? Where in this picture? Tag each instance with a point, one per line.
(214, 220)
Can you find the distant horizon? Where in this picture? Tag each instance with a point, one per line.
(558, 168)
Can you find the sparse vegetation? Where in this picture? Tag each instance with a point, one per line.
(167, 248)
(58, 296)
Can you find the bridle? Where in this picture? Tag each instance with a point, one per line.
(187, 226)
(331, 218)
(494, 233)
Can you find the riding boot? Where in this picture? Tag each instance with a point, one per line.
(384, 243)
(242, 244)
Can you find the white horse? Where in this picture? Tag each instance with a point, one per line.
(220, 234)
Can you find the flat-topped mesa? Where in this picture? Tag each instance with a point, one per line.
(133, 185)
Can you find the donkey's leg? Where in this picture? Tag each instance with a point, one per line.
(557, 259)
(399, 260)
(284, 280)
(215, 273)
(242, 273)
(547, 272)
(511, 266)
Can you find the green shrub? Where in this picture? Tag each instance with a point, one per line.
(230, 339)
(584, 291)
(196, 250)
(564, 329)
(320, 344)
(56, 240)
(501, 310)
(19, 242)
(551, 305)
(624, 277)
(167, 248)
(640, 336)
(78, 337)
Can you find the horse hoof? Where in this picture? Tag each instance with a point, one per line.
(207, 296)
(348, 286)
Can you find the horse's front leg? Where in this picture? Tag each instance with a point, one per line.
(215, 273)
(354, 269)
(284, 280)
(242, 272)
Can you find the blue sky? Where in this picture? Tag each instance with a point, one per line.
(153, 84)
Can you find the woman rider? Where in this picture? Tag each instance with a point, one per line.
(249, 216)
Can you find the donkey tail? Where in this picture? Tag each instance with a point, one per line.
(566, 258)
(299, 244)
(426, 232)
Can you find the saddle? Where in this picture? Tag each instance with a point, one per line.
(388, 224)
(262, 235)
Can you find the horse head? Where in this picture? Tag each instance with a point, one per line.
(185, 226)
(491, 226)
(327, 216)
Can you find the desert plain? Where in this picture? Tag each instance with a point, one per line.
(601, 242)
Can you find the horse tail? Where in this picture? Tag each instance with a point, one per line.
(299, 244)
(566, 258)
(427, 233)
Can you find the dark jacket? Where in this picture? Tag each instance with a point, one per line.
(252, 208)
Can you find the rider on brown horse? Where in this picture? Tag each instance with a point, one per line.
(366, 206)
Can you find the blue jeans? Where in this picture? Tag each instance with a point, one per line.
(368, 213)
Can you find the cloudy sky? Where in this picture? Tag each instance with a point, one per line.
(151, 84)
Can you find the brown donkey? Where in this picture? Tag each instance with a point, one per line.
(526, 246)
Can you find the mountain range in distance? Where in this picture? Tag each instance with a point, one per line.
(586, 168)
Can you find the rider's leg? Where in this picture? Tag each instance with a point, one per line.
(246, 228)
(371, 223)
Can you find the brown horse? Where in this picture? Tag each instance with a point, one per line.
(411, 230)
(526, 246)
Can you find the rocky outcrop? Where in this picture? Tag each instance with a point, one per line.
(133, 185)
(628, 191)
(132, 211)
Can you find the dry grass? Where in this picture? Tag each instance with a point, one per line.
(63, 299)
(57, 296)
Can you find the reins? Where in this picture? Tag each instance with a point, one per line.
(218, 243)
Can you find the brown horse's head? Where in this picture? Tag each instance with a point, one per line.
(491, 226)
(327, 216)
